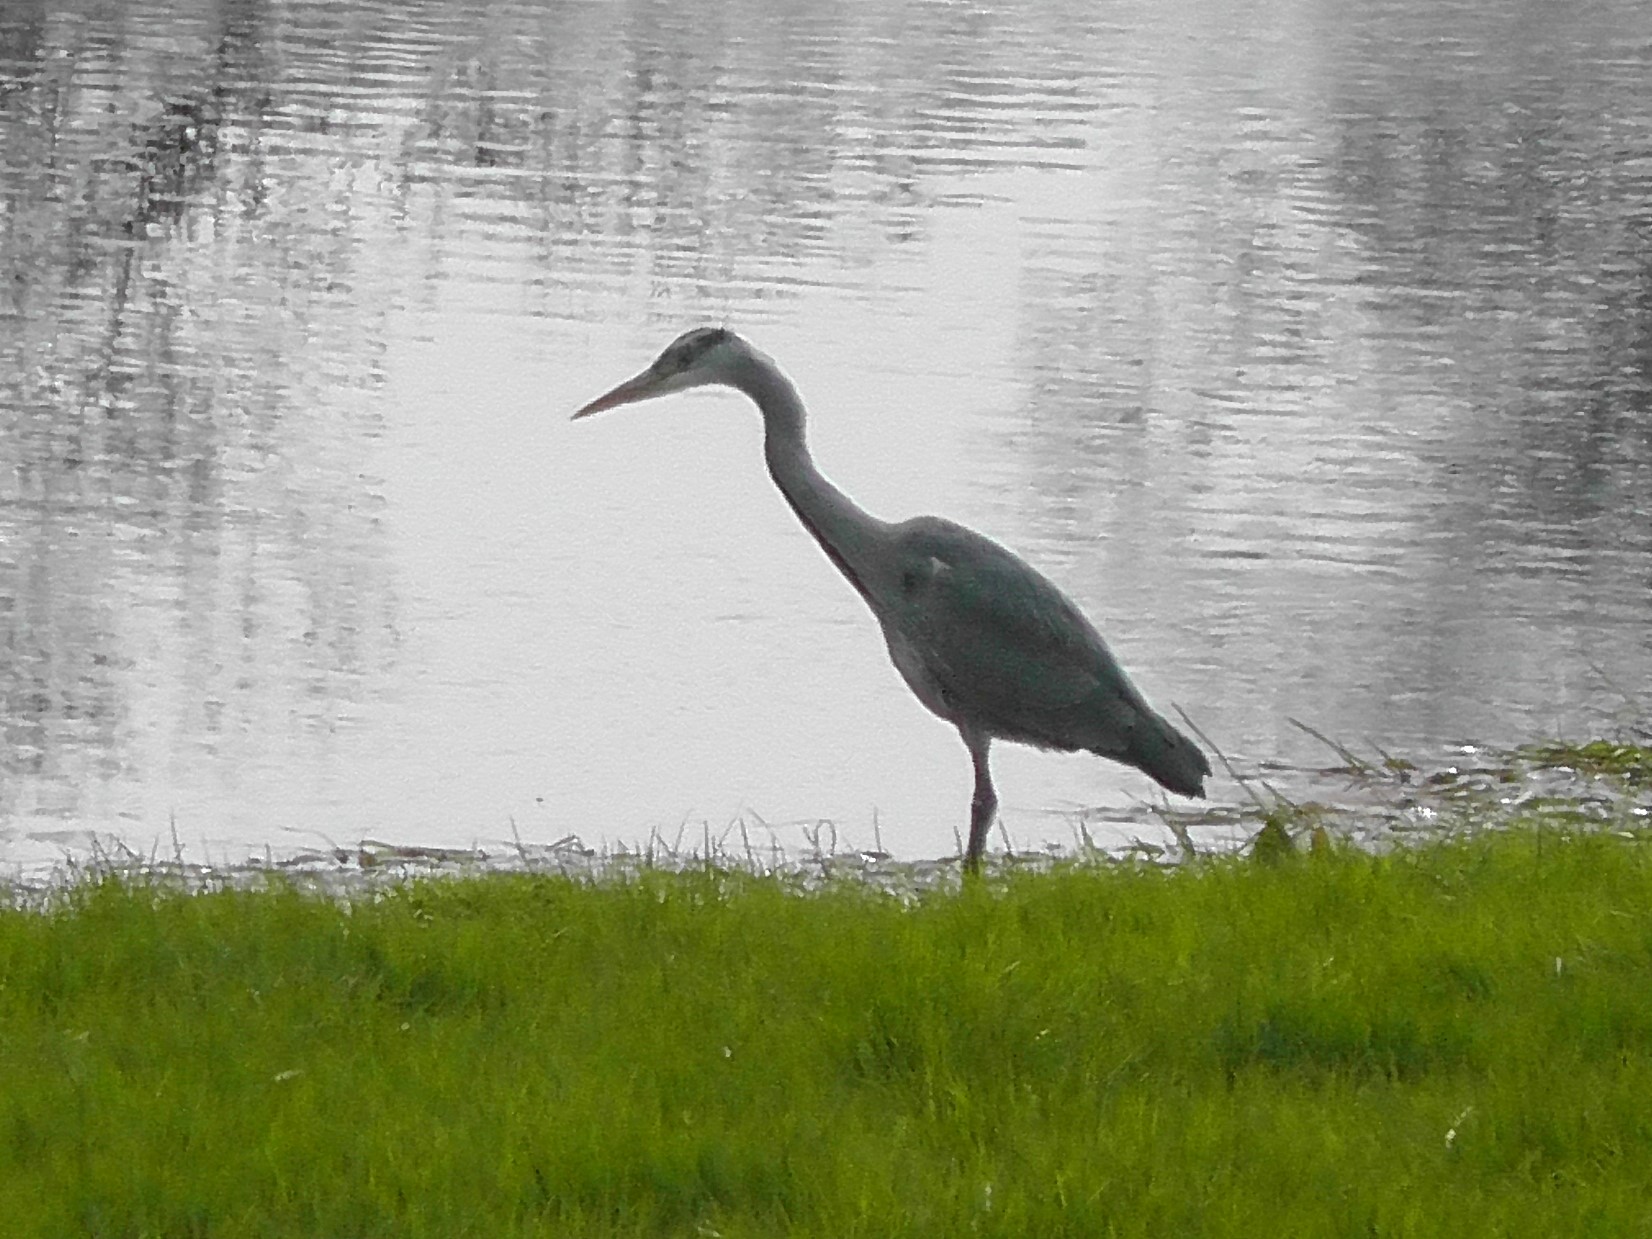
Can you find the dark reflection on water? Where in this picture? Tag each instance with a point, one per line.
(1313, 351)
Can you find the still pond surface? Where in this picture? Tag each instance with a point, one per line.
(1307, 345)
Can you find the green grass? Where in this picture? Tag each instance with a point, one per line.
(1455, 1040)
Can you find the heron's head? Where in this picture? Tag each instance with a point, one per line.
(694, 359)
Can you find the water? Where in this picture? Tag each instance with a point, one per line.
(1309, 349)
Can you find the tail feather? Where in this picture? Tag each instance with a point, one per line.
(1167, 756)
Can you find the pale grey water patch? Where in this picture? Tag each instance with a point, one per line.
(1310, 350)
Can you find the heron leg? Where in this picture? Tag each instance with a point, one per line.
(983, 805)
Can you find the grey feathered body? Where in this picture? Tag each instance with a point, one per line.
(990, 644)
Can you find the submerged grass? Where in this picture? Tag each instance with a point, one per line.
(1632, 763)
(1455, 1040)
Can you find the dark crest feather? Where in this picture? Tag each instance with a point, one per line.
(687, 348)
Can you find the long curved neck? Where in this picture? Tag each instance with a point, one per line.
(845, 531)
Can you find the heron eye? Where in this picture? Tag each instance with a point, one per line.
(909, 580)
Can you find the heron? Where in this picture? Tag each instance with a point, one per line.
(982, 638)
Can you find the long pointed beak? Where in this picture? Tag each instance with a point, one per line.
(629, 392)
